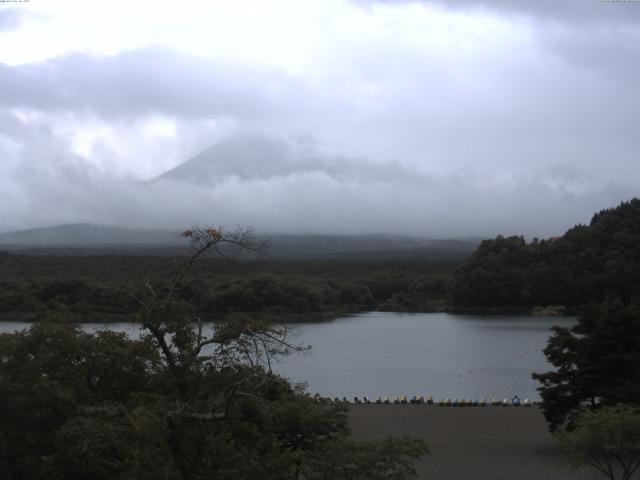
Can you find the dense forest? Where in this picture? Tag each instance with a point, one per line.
(587, 264)
(88, 288)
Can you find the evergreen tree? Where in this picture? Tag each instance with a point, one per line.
(597, 363)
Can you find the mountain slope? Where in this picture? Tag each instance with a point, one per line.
(87, 236)
(243, 156)
(84, 234)
(254, 157)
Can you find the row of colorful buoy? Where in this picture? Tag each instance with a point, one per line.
(445, 402)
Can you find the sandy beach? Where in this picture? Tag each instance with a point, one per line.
(475, 443)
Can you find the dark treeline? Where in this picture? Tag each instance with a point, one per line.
(587, 264)
(85, 288)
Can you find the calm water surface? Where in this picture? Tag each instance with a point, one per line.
(381, 353)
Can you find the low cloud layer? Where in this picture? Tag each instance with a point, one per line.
(600, 12)
(310, 194)
(435, 118)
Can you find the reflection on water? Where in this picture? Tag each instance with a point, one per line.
(381, 353)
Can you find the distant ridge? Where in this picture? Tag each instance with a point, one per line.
(87, 234)
(73, 238)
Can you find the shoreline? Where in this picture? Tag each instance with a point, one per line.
(282, 317)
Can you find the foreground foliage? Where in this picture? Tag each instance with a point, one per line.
(597, 363)
(607, 440)
(179, 403)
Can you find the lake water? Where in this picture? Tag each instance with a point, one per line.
(384, 353)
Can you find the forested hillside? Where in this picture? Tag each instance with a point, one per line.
(587, 264)
(88, 288)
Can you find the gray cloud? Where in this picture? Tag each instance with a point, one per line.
(526, 111)
(307, 198)
(138, 82)
(317, 203)
(566, 11)
(527, 137)
(254, 157)
(10, 18)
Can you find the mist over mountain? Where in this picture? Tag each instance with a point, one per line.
(291, 185)
(88, 235)
(83, 239)
(435, 119)
(245, 157)
(257, 157)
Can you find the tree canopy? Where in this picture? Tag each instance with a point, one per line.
(586, 264)
(607, 440)
(86, 288)
(597, 362)
(180, 403)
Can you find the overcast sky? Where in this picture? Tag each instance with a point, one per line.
(437, 118)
